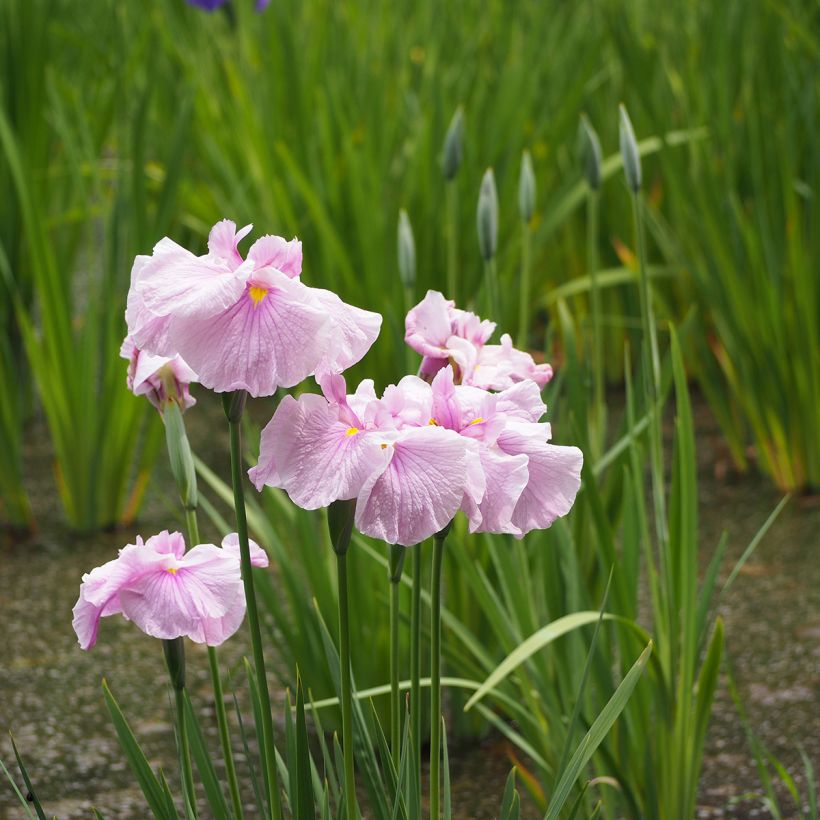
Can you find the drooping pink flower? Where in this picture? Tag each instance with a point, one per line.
(416, 456)
(444, 334)
(168, 592)
(159, 378)
(243, 324)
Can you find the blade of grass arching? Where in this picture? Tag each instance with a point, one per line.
(305, 807)
(155, 795)
(753, 544)
(384, 754)
(507, 797)
(579, 696)
(534, 643)
(609, 278)
(707, 589)
(257, 793)
(597, 732)
(811, 788)
(32, 795)
(17, 791)
(204, 764)
(505, 728)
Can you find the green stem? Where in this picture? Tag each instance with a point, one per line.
(415, 659)
(192, 526)
(524, 304)
(344, 670)
(599, 410)
(174, 651)
(491, 295)
(435, 673)
(234, 404)
(450, 195)
(396, 566)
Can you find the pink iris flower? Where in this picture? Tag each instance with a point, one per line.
(243, 324)
(159, 378)
(443, 334)
(416, 456)
(168, 592)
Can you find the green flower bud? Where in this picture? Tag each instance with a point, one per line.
(487, 216)
(179, 453)
(340, 517)
(397, 553)
(590, 152)
(174, 650)
(526, 188)
(407, 251)
(451, 156)
(629, 152)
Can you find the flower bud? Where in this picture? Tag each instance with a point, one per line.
(629, 152)
(174, 650)
(590, 150)
(526, 188)
(487, 216)
(233, 404)
(407, 251)
(451, 156)
(397, 553)
(340, 517)
(180, 456)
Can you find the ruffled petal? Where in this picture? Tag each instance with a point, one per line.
(230, 543)
(427, 325)
(276, 252)
(506, 477)
(419, 490)
(223, 241)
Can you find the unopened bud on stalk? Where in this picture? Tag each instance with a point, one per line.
(174, 650)
(340, 517)
(451, 156)
(590, 153)
(487, 216)
(407, 251)
(179, 453)
(526, 188)
(629, 152)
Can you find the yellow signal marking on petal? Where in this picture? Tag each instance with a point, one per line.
(257, 294)
(172, 570)
(351, 431)
(384, 446)
(432, 423)
(476, 421)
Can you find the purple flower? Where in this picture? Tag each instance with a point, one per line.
(416, 456)
(167, 592)
(158, 378)
(443, 334)
(243, 324)
(208, 5)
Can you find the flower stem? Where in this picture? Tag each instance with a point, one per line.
(340, 515)
(451, 198)
(396, 565)
(415, 660)
(435, 672)
(234, 406)
(179, 452)
(347, 707)
(599, 407)
(524, 304)
(174, 651)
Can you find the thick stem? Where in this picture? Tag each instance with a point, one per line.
(396, 566)
(599, 405)
(344, 670)
(174, 651)
(415, 659)
(451, 198)
(233, 408)
(435, 673)
(524, 306)
(652, 369)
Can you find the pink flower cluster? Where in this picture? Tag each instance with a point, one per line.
(168, 592)
(443, 334)
(243, 324)
(416, 456)
(159, 378)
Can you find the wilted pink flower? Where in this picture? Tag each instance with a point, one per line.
(167, 592)
(243, 324)
(420, 453)
(158, 378)
(443, 334)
